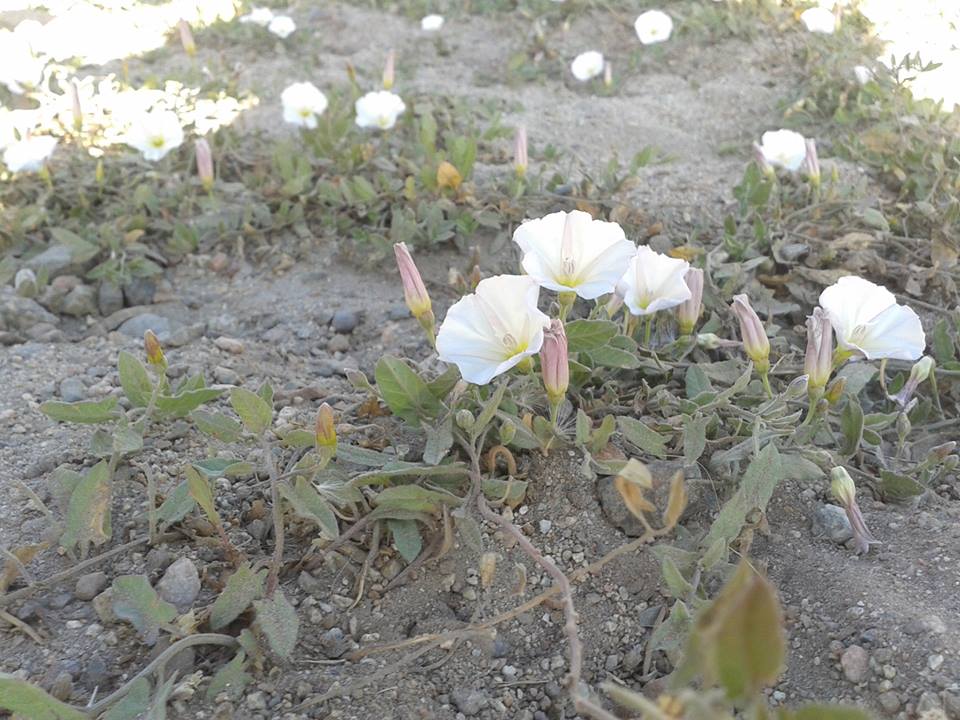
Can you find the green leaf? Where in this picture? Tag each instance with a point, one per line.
(253, 410)
(278, 621)
(589, 334)
(896, 487)
(671, 634)
(135, 601)
(470, 532)
(851, 425)
(201, 492)
(601, 436)
(82, 412)
(755, 491)
(265, 393)
(127, 439)
(404, 392)
(218, 425)
(88, 510)
(413, 497)
(215, 467)
(695, 438)
(942, 344)
(857, 375)
(697, 382)
(638, 434)
(309, 505)
(231, 679)
(177, 505)
(184, 403)
(439, 442)
(134, 379)
(28, 701)
(406, 538)
(441, 385)
(489, 411)
(583, 427)
(612, 357)
(243, 587)
(134, 704)
(676, 582)
(510, 491)
(363, 456)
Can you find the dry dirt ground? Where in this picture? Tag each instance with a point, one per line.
(897, 607)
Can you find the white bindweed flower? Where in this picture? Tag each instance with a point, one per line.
(784, 148)
(20, 69)
(587, 66)
(572, 252)
(258, 16)
(863, 74)
(282, 26)
(30, 154)
(379, 109)
(819, 20)
(431, 23)
(869, 323)
(653, 26)
(155, 134)
(302, 104)
(654, 281)
(494, 329)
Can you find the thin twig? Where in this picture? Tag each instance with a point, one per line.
(274, 574)
(22, 626)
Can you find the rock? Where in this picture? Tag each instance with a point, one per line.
(256, 701)
(634, 658)
(103, 605)
(25, 283)
(72, 389)
(889, 701)
(661, 472)
(856, 664)
(158, 559)
(136, 326)
(96, 671)
(345, 321)
(398, 311)
(928, 701)
(20, 313)
(831, 522)
(55, 260)
(501, 648)
(226, 376)
(62, 686)
(140, 291)
(338, 343)
(311, 585)
(468, 701)
(180, 584)
(109, 298)
(951, 704)
(89, 585)
(333, 643)
(229, 344)
(80, 302)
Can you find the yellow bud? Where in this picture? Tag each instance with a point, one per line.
(448, 176)
(155, 356)
(326, 432)
(842, 487)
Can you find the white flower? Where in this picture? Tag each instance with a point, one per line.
(258, 16)
(379, 109)
(302, 104)
(653, 26)
(20, 70)
(494, 329)
(572, 252)
(868, 321)
(30, 154)
(819, 20)
(863, 74)
(587, 66)
(654, 282)
(282, 26)
(784, 148)
(431, 23)
(155, 134)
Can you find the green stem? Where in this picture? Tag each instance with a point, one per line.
(765, 379)
(647, 331)
(274, 574)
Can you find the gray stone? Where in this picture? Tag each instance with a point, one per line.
(333, 643)
(54, 261)
(855, 662)
(634, 658)
(109, 298)
(951, 704)
(311, 585)
(831, 522)
(226, 376)
(345, 321)
(72, 389)
(398, 311)
(89, 585)
(140, 291)
(180, 584)
(468, 701)
(25, 283)
(338, 343)
(96, 671)
(62, 686)
(889, 701)
(136, 326)
(103, 605)
(80, 301)
(20, 313)
(928, 701)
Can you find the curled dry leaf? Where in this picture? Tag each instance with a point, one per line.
(630, 483)
(677, 502)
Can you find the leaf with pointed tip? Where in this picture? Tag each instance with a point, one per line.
(405, 392)
(177, 505)
(231, 679)
(134, 379)
(255, 413)
(406, 538)
(88, 510)
(277, 620)
(100, 411)
(218, 425)
(134, 704)
(243, 587)
(28, 701)
(310, 505)
(638, 434)
(137, 602)
(201, 492)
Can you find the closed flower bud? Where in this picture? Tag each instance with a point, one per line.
(688, 312)
(75, 106)
(797, 388)
(186, 38)
(204, 164)
(554, 362)
(811, 163)
(818, 363)
(845, 493)
(326, 431)
(448, 176)
(752, 332)
(709, 341)
(842, 487)
(414, 291)
(918, 373)
(154, 351)
(520, 158)
(761, 161)
(508, 431)
(835, 390)
(388, 70)
(465, 419)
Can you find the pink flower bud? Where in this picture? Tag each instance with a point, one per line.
(520, 159)
(388, 70)
(204, 163)
(414, 291)
(186, 38)
(752, 332)
(811, 163)
(554, 362)
(75, 105)
(818, 363)
(688, 312)
(761, 160)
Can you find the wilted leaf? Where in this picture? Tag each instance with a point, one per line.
(88, 510)
(253, 410)
(28, 701)
(11, 568)
(310, 505)
(200, 491)
(243, 587)
(82, 412)
(633, 479)
(219, 426)
(231, 679)
(405, 392)
(278, 621)
(448, 176)
(677, 501)
(136, 601)
(134, 704)
(642, 437)
(406, 538)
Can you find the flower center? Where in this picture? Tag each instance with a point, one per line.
(383, 121)
(157, 141)
(305, 112)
